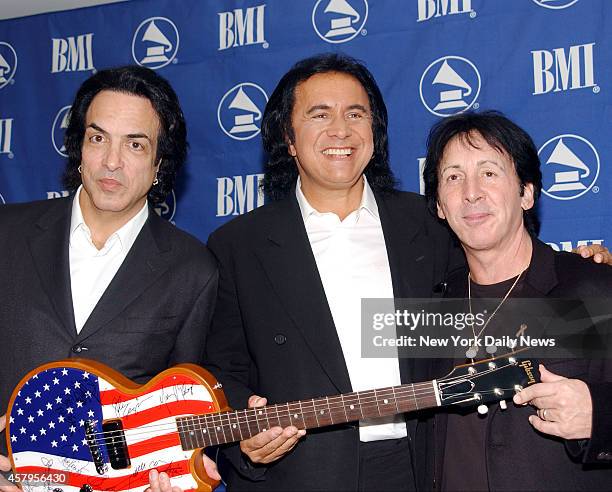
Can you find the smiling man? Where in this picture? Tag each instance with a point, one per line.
(292, 275)
(99, 274)
(482, 176)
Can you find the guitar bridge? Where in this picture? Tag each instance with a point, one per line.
(94, 448)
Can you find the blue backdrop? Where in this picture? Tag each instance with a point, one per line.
(546, 63)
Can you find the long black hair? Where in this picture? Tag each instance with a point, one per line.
(277, 131)
(142, 82)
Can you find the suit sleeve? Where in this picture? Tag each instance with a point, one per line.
(227, 355)
(190, 342)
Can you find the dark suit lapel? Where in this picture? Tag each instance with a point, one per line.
(144, 264)
(49, 248)
(288, 261)
(408, 252)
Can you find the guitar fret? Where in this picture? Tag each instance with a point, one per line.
(331, 417)
(315, 411)
(229, 424)
(395, 400)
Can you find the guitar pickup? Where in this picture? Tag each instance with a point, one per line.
(116, 446)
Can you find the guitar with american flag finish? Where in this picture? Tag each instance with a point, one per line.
(76, 425)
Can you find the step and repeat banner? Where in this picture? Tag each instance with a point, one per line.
(547, 64)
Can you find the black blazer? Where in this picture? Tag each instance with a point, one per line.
(273, 332)
(517, 456)
(153, 314)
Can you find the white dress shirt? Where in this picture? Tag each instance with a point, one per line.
(91, 270)
(353, 264)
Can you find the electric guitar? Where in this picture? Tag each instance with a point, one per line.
(77, 425)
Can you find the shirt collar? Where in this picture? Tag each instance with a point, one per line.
(368, 202)
(126, 235)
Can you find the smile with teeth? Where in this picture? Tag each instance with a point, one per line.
(338, 151)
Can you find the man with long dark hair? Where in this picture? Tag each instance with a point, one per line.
(99, 274)
(293, 273)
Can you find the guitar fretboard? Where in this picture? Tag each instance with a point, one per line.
(219, 428)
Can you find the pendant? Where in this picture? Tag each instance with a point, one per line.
(471, 352)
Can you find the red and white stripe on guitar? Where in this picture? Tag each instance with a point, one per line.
(77, 423)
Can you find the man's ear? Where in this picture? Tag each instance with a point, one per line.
(292, 151)
(440, 211)
(527, 196)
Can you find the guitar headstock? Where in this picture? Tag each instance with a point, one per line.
(487, 381)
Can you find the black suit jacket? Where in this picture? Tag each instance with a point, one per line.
(517, 456)
(273, 332)
(154, 313)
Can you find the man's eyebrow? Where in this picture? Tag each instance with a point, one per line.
(129, 135)
(360, 107)
(96, 127)
(318, 107)
(352, 107)
(449, 166)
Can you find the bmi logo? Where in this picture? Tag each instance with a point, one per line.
(167, 208)
(450, 85)
(6, 134)
(237, 195)
(558, 70)
(555, 4)
(72, 54)
(155, 42)
(241, 27)
(428, 9)
(60, 123)
(569, 245)
(57, 194)
(8, 63)
(338, 21)
(240, 110)
(570, 167)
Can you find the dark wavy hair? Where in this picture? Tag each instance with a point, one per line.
(500, 133)
(277, 131)
(142, 82)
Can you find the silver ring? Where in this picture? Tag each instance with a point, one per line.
(544, 414)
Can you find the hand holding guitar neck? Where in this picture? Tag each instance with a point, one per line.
(271, 444)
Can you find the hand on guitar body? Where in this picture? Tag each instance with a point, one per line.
(161, 482)
(271, 444)
(5, 466)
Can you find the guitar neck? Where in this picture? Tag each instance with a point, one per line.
(199, 431)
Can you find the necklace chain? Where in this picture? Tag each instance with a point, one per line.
(473, 349)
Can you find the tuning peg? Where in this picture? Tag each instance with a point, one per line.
(503, 405)
(482, 409)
